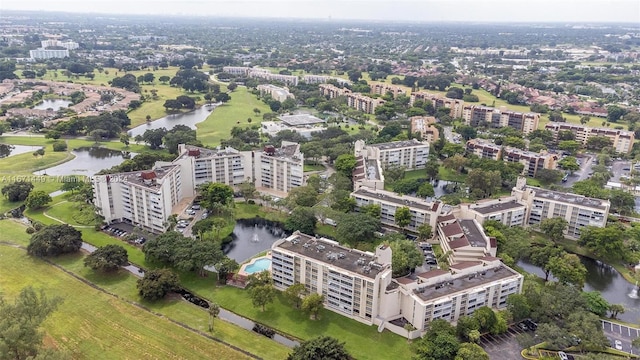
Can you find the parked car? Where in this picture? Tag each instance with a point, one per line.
(431, 262)
(205, 214)
(532, 325)
(563, 355)
(618, 344)
(195, 207)
(191, 212)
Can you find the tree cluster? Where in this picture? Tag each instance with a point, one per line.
(54, 240)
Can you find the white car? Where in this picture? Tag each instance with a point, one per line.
(618, 344)
(563, 355)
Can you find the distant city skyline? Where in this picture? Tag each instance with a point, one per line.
(581, 11)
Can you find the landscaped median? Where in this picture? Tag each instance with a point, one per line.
(539, 351)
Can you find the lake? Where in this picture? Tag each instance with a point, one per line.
(252, 236)
(605, 279)
(88, 161)
(55, 104)
(7, 150)
(189, 119)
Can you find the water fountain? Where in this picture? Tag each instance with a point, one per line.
(255, 237)
(634, 292)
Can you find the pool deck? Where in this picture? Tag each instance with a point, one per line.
(242, 270)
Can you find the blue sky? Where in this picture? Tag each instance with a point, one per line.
(392, 10)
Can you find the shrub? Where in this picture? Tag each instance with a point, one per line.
(59, 146)
(30, 230)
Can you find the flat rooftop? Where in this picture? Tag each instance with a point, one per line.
(497, 207)
(399, 144)
(474, 235)
(466, 282)
(200, 152)
(300, 119)
(398, 200)
(330, 253)
(568, 198)
(147, 178)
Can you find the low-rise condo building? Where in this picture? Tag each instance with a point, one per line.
(411, 154)
(621, 140)
(476, 115)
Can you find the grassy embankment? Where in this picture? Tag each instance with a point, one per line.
(115, 315)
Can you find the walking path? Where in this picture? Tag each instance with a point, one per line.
(62, 222)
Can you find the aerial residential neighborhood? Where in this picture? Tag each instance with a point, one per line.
(268, 180)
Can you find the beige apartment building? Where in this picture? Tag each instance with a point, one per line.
(141, 198)
(423, 125)
(423, 211)
(359, 285)
(277, 93)
(476, 115)
(278, 170)
(383, 89)
(332, 91)
(412, 154)
(506, 210)
(455, 105)
(464, 239)
(621, 140)
(579, 211)
(531, 161)
(363, 103)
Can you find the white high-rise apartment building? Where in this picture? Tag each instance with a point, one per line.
(43, 54)
(200, 165)
(412, 154)
(141, 198)
(279, 170)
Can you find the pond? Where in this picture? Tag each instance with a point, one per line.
(252, 236)
(606, 280)
(189, 119)
(7, 150)
(88, 161)
(54, 104)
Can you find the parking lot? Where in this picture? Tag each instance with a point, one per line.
(190, 216)
(622, 333)
(503, 346)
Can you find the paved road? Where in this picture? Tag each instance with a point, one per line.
(585, 168)
(503, 346)
(623, 333)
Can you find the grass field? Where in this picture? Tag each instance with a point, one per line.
(90, 324)
(236, 112)
(124, 285)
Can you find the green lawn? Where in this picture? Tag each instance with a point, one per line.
(90, 324)
(124, 285)
(362, 341)
(236, 112)
(248, 211)
(450, 175)
(313, 167)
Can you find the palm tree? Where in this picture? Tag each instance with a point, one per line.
(214, 311)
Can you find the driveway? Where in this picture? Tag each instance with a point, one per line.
(587, 162)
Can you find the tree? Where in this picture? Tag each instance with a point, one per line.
(294, 294)
(305, 196)
(432, 168)
(451, 149)
(426, 190)
(584, 119)
(261, 295)
(467, 132)
(17, 191)
(615, 113)
(107, 258)
(470, 351)
(195, 255)
(373, 210)
(437, 346)
(37, 199)
(465, 325)
(357, 227)
(483, 183)
(622, 201)
(541, 255)
(554, 228)
(402, 217)
(394, 173)
(569, 163)
(248, 190)
(554, 336)
(596, 303)
(616, 309)
(320, 348)
(548, 176)
(606, 242)
(54, 240)
(224, 267)
(232, 86)
(570, 146)
(519, 307)
(425, 232)
(214, 311)
(215, 193)
(301, 219)
(20, 321)
(568, 269)
(164, 79)
(485, 317)
(345, 164)
(405, 256)
(222, 97)
(154, 137)
(597, 143)
(587, 327)
(157, 283)
(312, 304)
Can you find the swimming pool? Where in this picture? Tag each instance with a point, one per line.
(258, 266)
